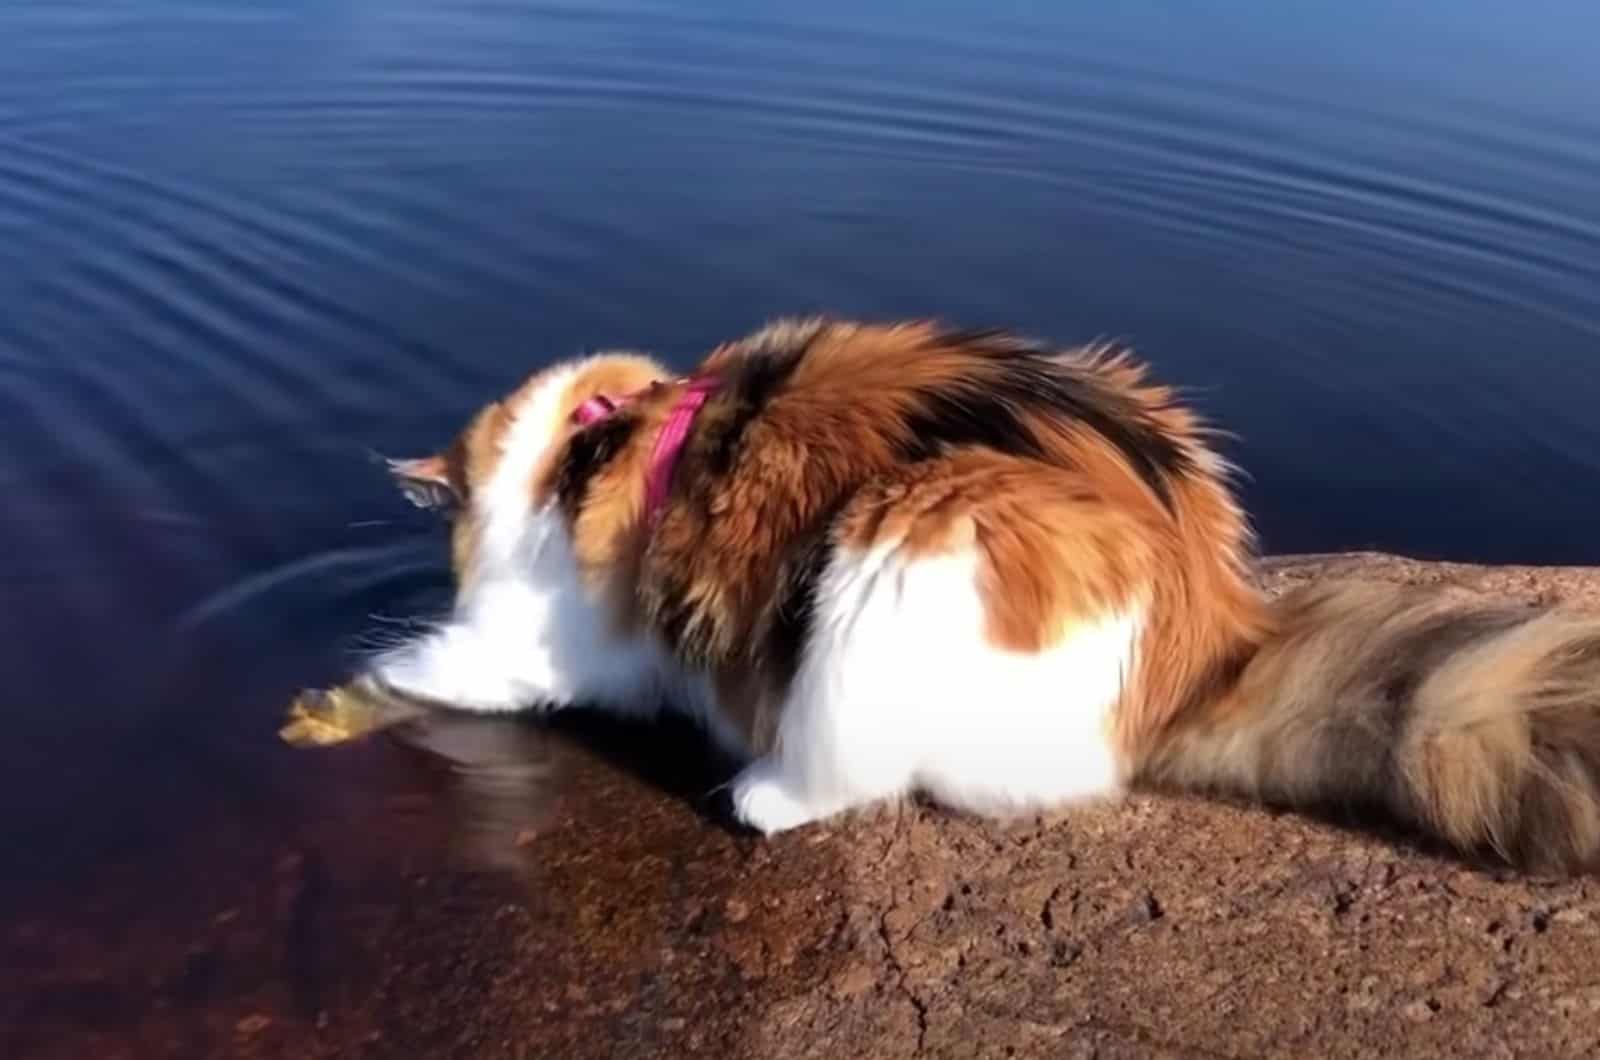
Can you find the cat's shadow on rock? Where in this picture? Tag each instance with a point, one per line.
(1367, 824)
(505, 766)
(669, 753)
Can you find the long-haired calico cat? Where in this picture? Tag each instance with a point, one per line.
(884, 559)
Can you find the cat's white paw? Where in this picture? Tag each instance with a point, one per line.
(762, 801)
(453, 667)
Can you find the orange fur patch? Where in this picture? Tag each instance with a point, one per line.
(1065, 533)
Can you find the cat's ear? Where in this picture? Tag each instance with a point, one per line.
(425, 482)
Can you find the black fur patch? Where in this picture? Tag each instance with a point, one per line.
(992, 410)
(672, 615)
(795, 601)
(590, 450)
(745, 392)
(1424, 649)
(1362, 751)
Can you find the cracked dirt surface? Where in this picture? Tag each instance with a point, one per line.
(419, 900)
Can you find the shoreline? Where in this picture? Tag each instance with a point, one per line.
(359, 904)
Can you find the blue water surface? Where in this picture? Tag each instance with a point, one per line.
(243, 244)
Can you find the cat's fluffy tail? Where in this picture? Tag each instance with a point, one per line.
(1478, 724)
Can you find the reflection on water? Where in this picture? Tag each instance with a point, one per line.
(242, 246)
(435, 889)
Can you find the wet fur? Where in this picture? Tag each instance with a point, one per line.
(906, 558)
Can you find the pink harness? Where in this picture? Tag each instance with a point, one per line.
(669, 442)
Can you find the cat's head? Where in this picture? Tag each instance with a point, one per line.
(517, 458)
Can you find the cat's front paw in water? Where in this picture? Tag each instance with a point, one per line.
(322, 717)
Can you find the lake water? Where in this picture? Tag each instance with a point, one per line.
(242, 245)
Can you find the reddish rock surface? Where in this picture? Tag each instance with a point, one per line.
(501, 890)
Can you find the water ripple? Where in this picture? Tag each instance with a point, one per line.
(323, 231)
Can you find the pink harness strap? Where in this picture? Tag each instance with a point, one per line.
(669, 442)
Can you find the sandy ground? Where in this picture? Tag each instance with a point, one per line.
(504, 891)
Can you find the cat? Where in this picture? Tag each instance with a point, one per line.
(883, 559)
